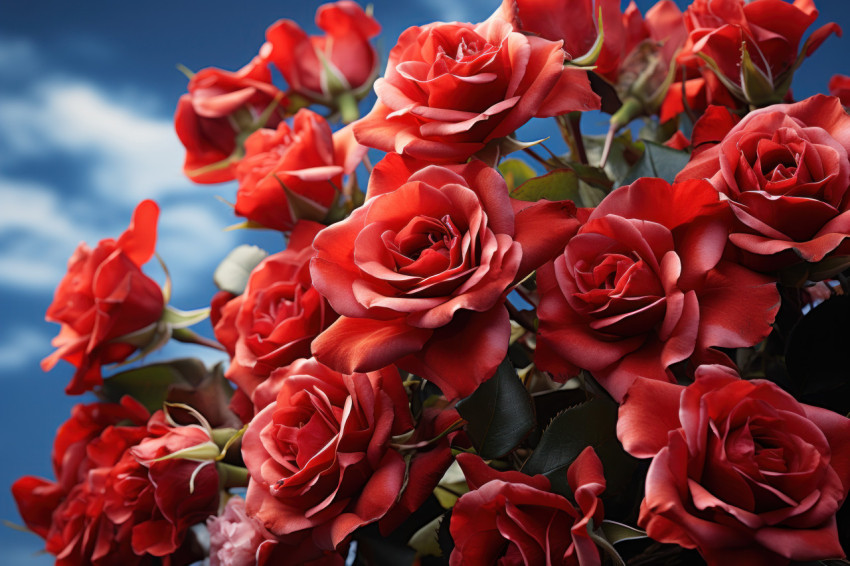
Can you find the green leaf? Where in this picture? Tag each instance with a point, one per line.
(593, 423)
(183, 319)
(616, 532)
(178, 380)
(657, 161)
(516, 172)
(499, 414)
(758, 87)
(424, 541)
(232, 273)
(560, 184)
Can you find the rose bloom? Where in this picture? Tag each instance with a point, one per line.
(575, 23)
(320, 68)
(511, 518)
(420, 272)
(205, 117)
(239, 540)
(770, 30)
(107, 507)
(103, 298)
(450, 88)
(643, 285)
(294, 172)
(272, 323)
(320, 459)
(740, 470)
(785, 171)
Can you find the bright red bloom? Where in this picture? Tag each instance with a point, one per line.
(450, 88)
(785, 171)
(753, 47)
(511, 518)
(293, 173)
(205, 117)
(420, 272)
(643, 285)
(103, 298)
(741, 471)
(272, 323)
(312, 64)
(108, 508)
(320, 458)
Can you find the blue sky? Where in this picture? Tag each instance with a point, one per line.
(87, 91)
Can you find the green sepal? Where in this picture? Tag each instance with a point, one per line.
(232, 273)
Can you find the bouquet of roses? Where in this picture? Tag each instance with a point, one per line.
(479, 350)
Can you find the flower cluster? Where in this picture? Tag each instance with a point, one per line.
(630, 352)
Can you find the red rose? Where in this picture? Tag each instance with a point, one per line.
(239, 540)
(293, 173)
(450, 88)
(68, 513)
(741, 471)
(109, 508)
(320, 459)
(643, 285)
(219, 106)
(320, 68)
(272, 323)
(753, 47)
(785, 171)
(160, 496)
(839, 85)
(511, 518)
(103, 298)
(575, 23)
(420, 272)
(37, 498)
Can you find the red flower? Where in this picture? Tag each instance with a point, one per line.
(320, 68)
(420, 272)
(103, 298)
(108, 508)
(512, 518)
(451, 88)
(293, 173)
(219, 106)
(161, 493)
(839, 85)
(741, 471)
(576, 24)
(785, 171)
(320, 459)
(643, 285)
(272, 323)
(753, 47)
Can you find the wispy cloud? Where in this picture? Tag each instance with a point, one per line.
(121, 155)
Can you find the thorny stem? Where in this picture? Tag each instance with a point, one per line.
(572, 122)
(451, 428)
(537, 158)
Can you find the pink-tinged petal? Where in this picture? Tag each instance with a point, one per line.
(361, 344)
(802, 544)
(461, 356)
(543, 229)
(649, 412)
(836, 428)
(737, 307)
(572, 93)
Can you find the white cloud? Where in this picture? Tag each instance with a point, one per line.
(21, 347)
(131, 155)
(122, 154)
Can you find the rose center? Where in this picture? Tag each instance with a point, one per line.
(424, 235)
